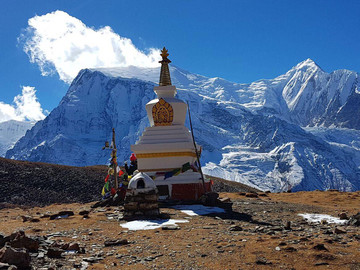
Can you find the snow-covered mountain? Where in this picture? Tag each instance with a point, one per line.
(250, 133)
(10, 132)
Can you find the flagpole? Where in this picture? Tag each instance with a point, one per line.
(196, 151)
(115, 159)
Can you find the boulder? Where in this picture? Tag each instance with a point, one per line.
(15, 256)
(4, 266)
(355, 220)
(20, 240)
(343, 216)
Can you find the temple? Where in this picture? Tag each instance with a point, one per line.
(166, 151)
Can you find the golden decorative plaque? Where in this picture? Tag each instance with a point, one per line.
(162, 113)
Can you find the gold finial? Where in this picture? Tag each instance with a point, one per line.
(164, 53)
(164, 73)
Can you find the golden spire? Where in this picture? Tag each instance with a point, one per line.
(164, 73)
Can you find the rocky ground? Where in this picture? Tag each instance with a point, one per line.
(42, 228)
(39, 184)
(263, 231)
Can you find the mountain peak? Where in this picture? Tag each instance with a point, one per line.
(307, 64)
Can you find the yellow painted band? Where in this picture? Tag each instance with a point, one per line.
(166, 154)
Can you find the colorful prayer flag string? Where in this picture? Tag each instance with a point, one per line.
(177, 171)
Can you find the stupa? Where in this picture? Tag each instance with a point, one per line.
(166, 151)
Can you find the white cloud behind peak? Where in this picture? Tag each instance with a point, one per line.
(58, 42)
(26, 107)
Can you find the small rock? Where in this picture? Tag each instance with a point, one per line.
(25, 218)
(224, 200)
(84, 212)
(290, 249)
(93, 259)
(325, 256)
(304, 239)
(62, 214)
(77, 265)
(262, 261)
(120, 242)
(321, 263)
(276, 228)
(287, 225)
(320, 247)
(170, 227)
(34, 220)
(251, 195)
(338, 231)
(54, 252)
(235, 228)
(73, 246)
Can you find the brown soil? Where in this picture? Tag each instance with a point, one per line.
(205, 242)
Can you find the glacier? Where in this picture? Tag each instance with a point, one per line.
(299, 131)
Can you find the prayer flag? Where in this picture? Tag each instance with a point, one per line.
(105, 189)
(186, 167)
(168, 175)
(176, 172)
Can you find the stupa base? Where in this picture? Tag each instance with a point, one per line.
(186, 186)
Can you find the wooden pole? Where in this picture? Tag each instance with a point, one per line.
(115, 159)
(196, 151)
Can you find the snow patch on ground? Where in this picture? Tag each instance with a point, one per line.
(150, 224)
(195, 210)
(317, 218)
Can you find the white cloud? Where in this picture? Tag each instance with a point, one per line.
(60, 43)
(25, 107)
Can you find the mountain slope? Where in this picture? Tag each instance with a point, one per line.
(305, 95)
(10, 132)
(250, 133)
(75, 131)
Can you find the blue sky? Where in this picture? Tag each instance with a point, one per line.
(241, 41)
